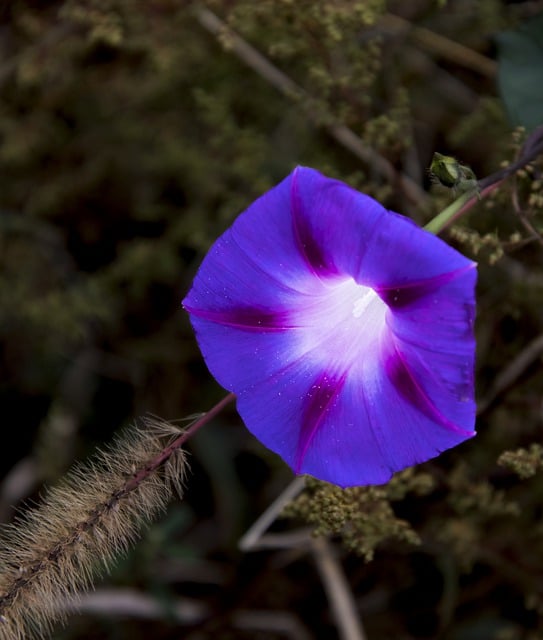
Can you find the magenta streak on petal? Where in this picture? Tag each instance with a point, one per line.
(319, 398)
(405, 383)
(314, 257)
(247, 319)
(404, 295)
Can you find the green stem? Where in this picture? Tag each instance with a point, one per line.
(532, 148)
(443, 219)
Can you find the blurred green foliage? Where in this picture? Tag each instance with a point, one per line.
(520, 56)
(130, 138)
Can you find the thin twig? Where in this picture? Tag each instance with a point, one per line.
(297, 539)
(440, 45)
(332, 576)
(136, 604)
(338, 591)
(131, 603)
(521, 214)
(333, 579)
(512, 372)
(252, 538)
(342, 134)
(532, 148)
(285, 623)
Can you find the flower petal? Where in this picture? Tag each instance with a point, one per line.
(346, 232)
(351, 428)
(434, 334)
(345, 331)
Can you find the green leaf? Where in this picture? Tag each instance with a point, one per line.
(520, 73)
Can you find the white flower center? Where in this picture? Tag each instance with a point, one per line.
(340, 323)
(360, 305)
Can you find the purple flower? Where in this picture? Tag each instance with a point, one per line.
(344, 329)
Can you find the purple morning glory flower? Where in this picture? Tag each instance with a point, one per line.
(344, 329)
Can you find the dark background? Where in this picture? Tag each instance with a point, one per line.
(130, 138)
